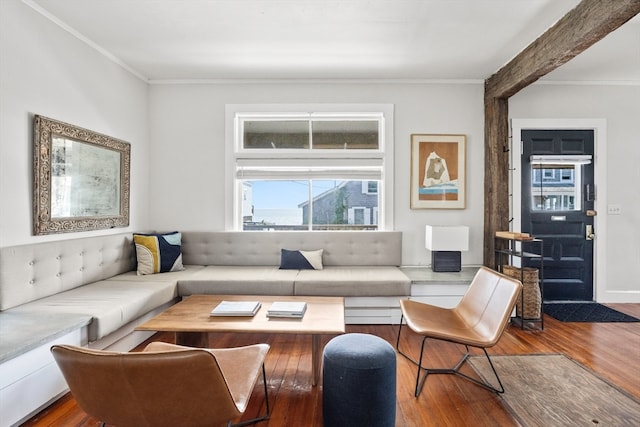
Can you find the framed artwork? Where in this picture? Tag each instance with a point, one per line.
(81, 179)
(438, 171)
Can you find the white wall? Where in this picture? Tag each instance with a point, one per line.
(618, 241)
(188, 129)
(45, 70)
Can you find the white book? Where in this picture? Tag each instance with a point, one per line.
(236, 308)
(287, 309)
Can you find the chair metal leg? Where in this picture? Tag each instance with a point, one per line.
(266, 399)
(420, 379)
(484, 384)
(418, 364)
(266, 395)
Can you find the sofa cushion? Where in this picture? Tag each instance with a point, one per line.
(300, 260)
(239, 280)
(111, 303)
(158, 253)
(172, 276)
(353, 282)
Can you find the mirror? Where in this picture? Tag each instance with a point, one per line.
(81, 179)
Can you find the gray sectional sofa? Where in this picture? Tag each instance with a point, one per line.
(86, 292)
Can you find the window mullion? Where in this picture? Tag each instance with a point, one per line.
(310, 221)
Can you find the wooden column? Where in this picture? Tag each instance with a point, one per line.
(496, 173)
(587, 23)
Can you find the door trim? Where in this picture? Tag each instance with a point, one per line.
(599, 126)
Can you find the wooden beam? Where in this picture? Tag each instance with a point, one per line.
(589, 22)
(496, 173)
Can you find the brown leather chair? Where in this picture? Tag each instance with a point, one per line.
(164, 385)
(478, 320)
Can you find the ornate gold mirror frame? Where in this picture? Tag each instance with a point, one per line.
(80, 179)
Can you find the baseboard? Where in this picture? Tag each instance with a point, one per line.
(619, 297)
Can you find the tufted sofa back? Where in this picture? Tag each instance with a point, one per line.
(260, 248)
(33, 271)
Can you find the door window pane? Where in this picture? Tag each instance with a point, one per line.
(555, 187)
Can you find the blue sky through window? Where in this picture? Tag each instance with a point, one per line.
(286, 194)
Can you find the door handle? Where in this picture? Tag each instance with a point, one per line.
(590, 235)
(590, 193)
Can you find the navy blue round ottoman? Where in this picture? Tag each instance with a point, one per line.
(359, 382)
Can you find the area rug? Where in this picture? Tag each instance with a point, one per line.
(585, 312)
(553, 390)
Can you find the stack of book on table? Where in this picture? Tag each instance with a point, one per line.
(236, 308)
(294, 309)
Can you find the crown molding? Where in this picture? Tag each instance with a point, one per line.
(104, 52)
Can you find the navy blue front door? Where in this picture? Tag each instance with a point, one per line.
(558, 196)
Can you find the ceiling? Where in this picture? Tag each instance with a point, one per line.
(175, 40)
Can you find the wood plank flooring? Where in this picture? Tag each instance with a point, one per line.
(612, 350)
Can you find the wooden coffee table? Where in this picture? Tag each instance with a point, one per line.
(191, 322)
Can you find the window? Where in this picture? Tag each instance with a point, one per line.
(556, 182)
(370, 187)
(302, 170)
(553, 188)
(309, 133)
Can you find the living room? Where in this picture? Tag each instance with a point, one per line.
(177, 130)
(48, 71)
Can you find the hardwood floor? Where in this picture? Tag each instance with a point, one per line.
(612, 350)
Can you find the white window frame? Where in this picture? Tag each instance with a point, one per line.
(358, 159)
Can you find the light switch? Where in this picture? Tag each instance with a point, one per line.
(614, 210)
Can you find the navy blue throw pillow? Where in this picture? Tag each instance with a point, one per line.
(301, 260)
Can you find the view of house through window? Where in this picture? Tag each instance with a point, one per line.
(309, 205)
(309, 171)
(555, 187)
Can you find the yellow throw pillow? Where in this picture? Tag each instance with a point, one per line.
(158, 253)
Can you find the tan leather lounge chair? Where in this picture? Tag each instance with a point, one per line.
(478, 320)
(165, 385)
